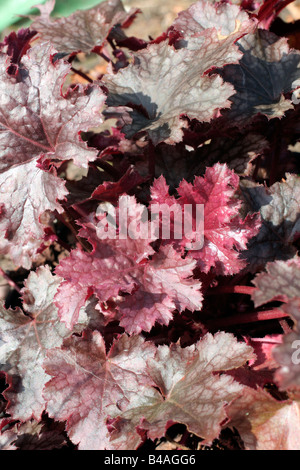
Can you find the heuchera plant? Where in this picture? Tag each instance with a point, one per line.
(117, 342)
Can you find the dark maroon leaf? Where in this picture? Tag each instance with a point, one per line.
(267, 71)
(280, 212)
(17, 44)
(110, 191)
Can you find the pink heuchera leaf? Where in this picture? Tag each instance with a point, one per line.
(124, 436)
(265, 423)
(265, 364)
(162, 85)
(37, 123)
(225, 233)
(225, 18)
(157, 286)
(26, 193)
(38, 120)
(92, 26)
(113, 266)
(281, 282)
(26, 339)
(166, 285)
(287, 353)
(188, 388)
(89, 386)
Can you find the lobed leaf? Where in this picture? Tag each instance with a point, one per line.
(38, 123)
(225, 234)
(154, 287)
(280, 214)
(80, 369)
(227, 19)
(265, 423)
(163, 84)
(266, 72)
(189, 388)
(26, 339)
(92, 26)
